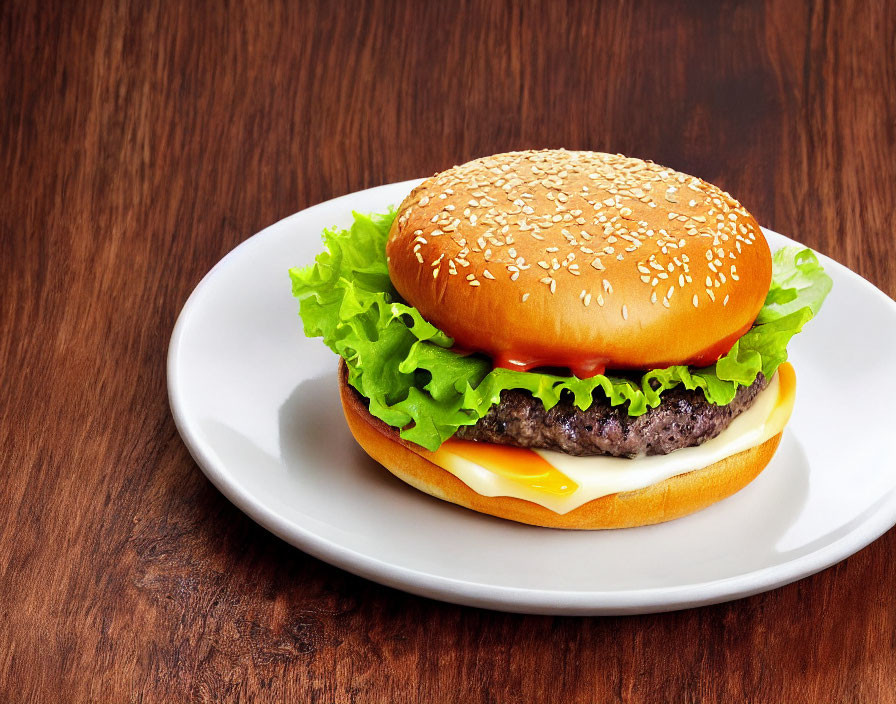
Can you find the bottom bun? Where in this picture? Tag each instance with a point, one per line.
(672, 498)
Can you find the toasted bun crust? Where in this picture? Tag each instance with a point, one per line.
(667, 500)
(581, 260)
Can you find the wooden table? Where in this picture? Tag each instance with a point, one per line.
(141, 141)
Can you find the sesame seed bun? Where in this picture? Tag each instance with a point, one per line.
(581, 260)
(664, 501)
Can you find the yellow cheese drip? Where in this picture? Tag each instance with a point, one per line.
(515, 463)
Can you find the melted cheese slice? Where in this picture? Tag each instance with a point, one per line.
(561, 482)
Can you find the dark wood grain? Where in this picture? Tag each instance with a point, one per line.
(140, 141)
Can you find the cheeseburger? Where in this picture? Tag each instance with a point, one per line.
(565, 339)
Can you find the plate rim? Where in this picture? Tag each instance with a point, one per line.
(484, 594)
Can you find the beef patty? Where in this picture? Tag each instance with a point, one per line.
(684, 418)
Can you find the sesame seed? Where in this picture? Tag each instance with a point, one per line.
(695, 301)
(725, 302)
(487, 274)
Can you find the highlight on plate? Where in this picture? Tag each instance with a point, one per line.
(564, 338)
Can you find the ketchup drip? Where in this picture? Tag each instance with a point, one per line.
(584, 369)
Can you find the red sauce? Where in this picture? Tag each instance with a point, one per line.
(583, 368)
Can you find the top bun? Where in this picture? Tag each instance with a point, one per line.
(581, 260)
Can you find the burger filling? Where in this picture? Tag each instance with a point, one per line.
(415, 382)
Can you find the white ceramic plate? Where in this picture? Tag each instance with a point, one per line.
(257, 405)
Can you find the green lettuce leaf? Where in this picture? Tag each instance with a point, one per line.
(404, 365)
